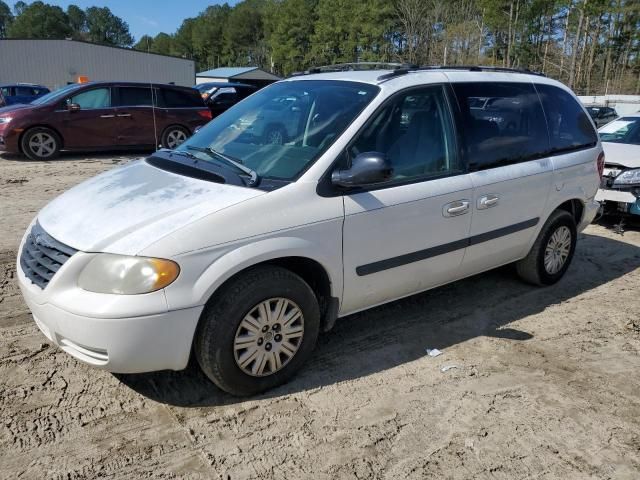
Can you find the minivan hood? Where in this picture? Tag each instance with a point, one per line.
(13, 107)
(623, 154)
(129, 208)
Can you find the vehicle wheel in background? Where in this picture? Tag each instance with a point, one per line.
(174, 136)
(551, 254)
(257, 331)
(275, 135)
(41, 143)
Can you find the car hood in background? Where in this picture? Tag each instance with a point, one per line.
(13, 107)
(623, 154)
(129, 208)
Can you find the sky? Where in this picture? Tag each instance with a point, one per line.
(145, 17)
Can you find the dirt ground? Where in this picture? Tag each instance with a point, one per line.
(544, 382)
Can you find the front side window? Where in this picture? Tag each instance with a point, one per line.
(569, 126)
(92, 99)
(622, 130)
(135, 97)
(415, 132)
(6, 91)
(283, 128)
(507, 127)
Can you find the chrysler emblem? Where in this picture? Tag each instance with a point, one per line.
(42, 241)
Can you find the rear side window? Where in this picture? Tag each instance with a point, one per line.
(569, 125)
(502, 123)
(24, 91)
(135, 97)
(171, 98)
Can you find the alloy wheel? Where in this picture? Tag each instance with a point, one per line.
(42, 144)
(268, 337)
(175, 138)
(557, 250)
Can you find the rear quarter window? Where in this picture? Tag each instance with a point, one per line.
(569, 126)
(502, 123)
(174, 98)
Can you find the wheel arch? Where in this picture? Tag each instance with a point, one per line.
(293, 254)
(574, 206)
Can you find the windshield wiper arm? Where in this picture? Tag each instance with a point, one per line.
(254, 177)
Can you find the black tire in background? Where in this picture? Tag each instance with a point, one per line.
(41, 143)
(532, 268)
(174, 136)
(221, 327)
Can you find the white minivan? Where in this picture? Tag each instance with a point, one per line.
(242, 250)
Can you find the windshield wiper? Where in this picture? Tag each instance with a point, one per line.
(254, 177)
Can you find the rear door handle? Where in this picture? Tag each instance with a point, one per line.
(453, 209)
(107, 116)
(488, 201)
(124, 114)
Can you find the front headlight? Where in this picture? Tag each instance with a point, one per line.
(107, 273)
(628, 177)
(4, 120)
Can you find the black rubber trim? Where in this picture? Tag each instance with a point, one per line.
(407, 258)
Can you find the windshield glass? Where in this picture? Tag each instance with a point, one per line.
(55, 95)
(622, 130)
(282, 129)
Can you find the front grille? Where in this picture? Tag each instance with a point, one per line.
(42, 256)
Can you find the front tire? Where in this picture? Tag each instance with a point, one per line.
(552, 252)
(257, 331)
(41, 143)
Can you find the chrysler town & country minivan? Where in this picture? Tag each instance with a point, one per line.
(241, 251)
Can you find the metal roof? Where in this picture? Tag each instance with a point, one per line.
(226, 72)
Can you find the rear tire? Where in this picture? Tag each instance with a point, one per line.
(552, 252)
(174, 136)
(249, 322)
(41, 143)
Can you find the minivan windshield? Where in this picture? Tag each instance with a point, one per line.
(55, 95)
(282, 129)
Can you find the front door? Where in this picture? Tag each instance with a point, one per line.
(507, 145)
(93, 124)
(410, 234)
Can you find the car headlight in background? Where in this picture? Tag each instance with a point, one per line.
(4, 120)
(119, 274)
(628, 177)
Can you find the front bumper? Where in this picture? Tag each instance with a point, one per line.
(111, 332)
(619, 201)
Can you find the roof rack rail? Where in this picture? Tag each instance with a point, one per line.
(356, 66)
(481, 68)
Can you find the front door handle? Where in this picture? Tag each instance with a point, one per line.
(488, 201)
(107, 116)
(124, 114)
(453, 209)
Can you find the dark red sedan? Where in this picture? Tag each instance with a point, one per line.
(102, 116)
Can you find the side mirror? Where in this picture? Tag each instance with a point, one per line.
(73, 107)
(368, 168)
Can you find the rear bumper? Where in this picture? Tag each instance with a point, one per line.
(590, 211)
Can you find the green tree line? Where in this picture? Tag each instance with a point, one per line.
(41, 20)
(591, 45)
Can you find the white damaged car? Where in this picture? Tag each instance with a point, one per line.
(241, 250)
(620, 188)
